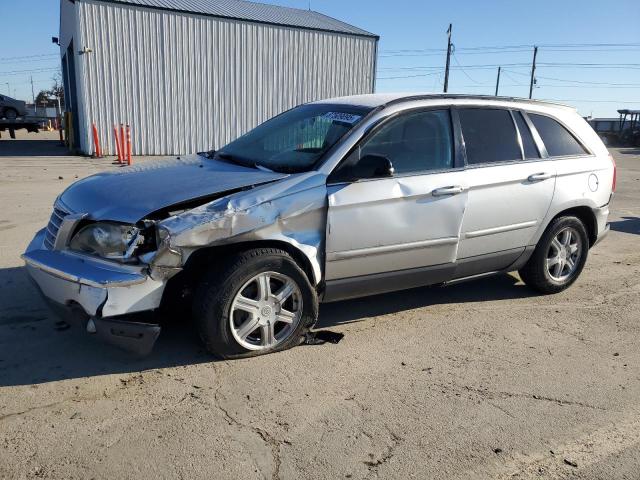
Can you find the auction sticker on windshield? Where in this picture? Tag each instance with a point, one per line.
(342, 117)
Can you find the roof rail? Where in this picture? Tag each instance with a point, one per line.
(464, 96)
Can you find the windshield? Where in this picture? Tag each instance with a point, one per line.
(295, 140)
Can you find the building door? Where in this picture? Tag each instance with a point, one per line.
(71, 93)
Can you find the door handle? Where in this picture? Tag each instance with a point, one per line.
(537, 177)
(453, 190)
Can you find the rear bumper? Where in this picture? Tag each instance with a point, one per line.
(602, 215)
(602, 235)
(83, 289)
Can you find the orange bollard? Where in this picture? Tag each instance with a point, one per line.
(128, 145)
(123, 145)
(118, 149)
(96, 141)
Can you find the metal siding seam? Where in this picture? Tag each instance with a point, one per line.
(187, 82)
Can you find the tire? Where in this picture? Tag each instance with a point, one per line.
(549, 270)
(231, 297)
(10, 113)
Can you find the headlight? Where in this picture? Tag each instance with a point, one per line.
(108, 240)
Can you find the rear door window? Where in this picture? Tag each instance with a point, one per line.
(528, 145)
(489, 135)
(557, 139)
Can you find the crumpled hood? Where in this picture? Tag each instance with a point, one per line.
(131, 193)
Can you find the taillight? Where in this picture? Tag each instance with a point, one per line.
(615, 173)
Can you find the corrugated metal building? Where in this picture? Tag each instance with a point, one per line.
(191, 75)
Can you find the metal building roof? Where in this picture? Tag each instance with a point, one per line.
(253, 12)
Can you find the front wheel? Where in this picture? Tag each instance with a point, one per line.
(10, 113)
(259, 301)
(559, 256)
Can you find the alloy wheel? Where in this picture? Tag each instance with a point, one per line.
(563, 256)
(265, 311)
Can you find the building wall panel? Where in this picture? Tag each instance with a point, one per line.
(188, 83)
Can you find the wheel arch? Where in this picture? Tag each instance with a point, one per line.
(585, 215)
(206, 255)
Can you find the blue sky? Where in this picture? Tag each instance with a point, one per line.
(413, 42)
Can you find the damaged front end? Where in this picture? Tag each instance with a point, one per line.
(101, 296)
(290, 212)
(90, 278)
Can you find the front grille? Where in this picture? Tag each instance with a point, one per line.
(54, 225)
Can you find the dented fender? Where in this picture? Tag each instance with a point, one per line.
(292, 210)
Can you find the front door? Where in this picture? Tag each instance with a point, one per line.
(401, 229)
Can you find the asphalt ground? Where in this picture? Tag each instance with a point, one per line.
(484, 379)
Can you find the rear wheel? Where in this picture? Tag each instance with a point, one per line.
(559, 256)
(10, 113)
(260, 301)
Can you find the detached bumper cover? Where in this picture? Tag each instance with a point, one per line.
(100, 288)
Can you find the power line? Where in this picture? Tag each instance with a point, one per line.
(583, 81)
(476, 66)
(409, 76)
(7, 59)
(571, 45)
(506, 72)
(631, 66)
(569, 64)
(464, 71)
(525, 47)
(592, 101)
(21, 72)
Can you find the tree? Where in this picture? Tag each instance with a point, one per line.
(43, 100)
(48, 97)
(57, 90)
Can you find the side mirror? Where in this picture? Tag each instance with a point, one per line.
(374, 166)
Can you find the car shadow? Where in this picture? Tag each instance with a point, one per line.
(35, 348)
(627, 225)
(630, 151)
(498, 287)
(31, 148)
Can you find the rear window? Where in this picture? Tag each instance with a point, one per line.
(489, 136)
(528, 145)
(557, 139)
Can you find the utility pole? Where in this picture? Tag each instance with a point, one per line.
(498, 81)
(446, 68)
(533, 71)
(8, 89)
(33, 97)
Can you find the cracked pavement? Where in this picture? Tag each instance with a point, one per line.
(479, 380)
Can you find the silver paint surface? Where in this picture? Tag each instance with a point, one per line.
(344, 230)
(131, 193)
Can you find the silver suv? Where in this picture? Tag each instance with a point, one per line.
(10, 108)
(330, 200)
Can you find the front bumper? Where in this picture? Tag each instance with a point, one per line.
(80, 286)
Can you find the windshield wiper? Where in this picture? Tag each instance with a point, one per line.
(229, 158)
(237, 161)
(262, 167)
(208, 154)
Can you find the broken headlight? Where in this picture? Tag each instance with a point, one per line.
(109, 240)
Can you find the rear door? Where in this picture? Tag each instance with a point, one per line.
(405, 222)
(511, 185)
